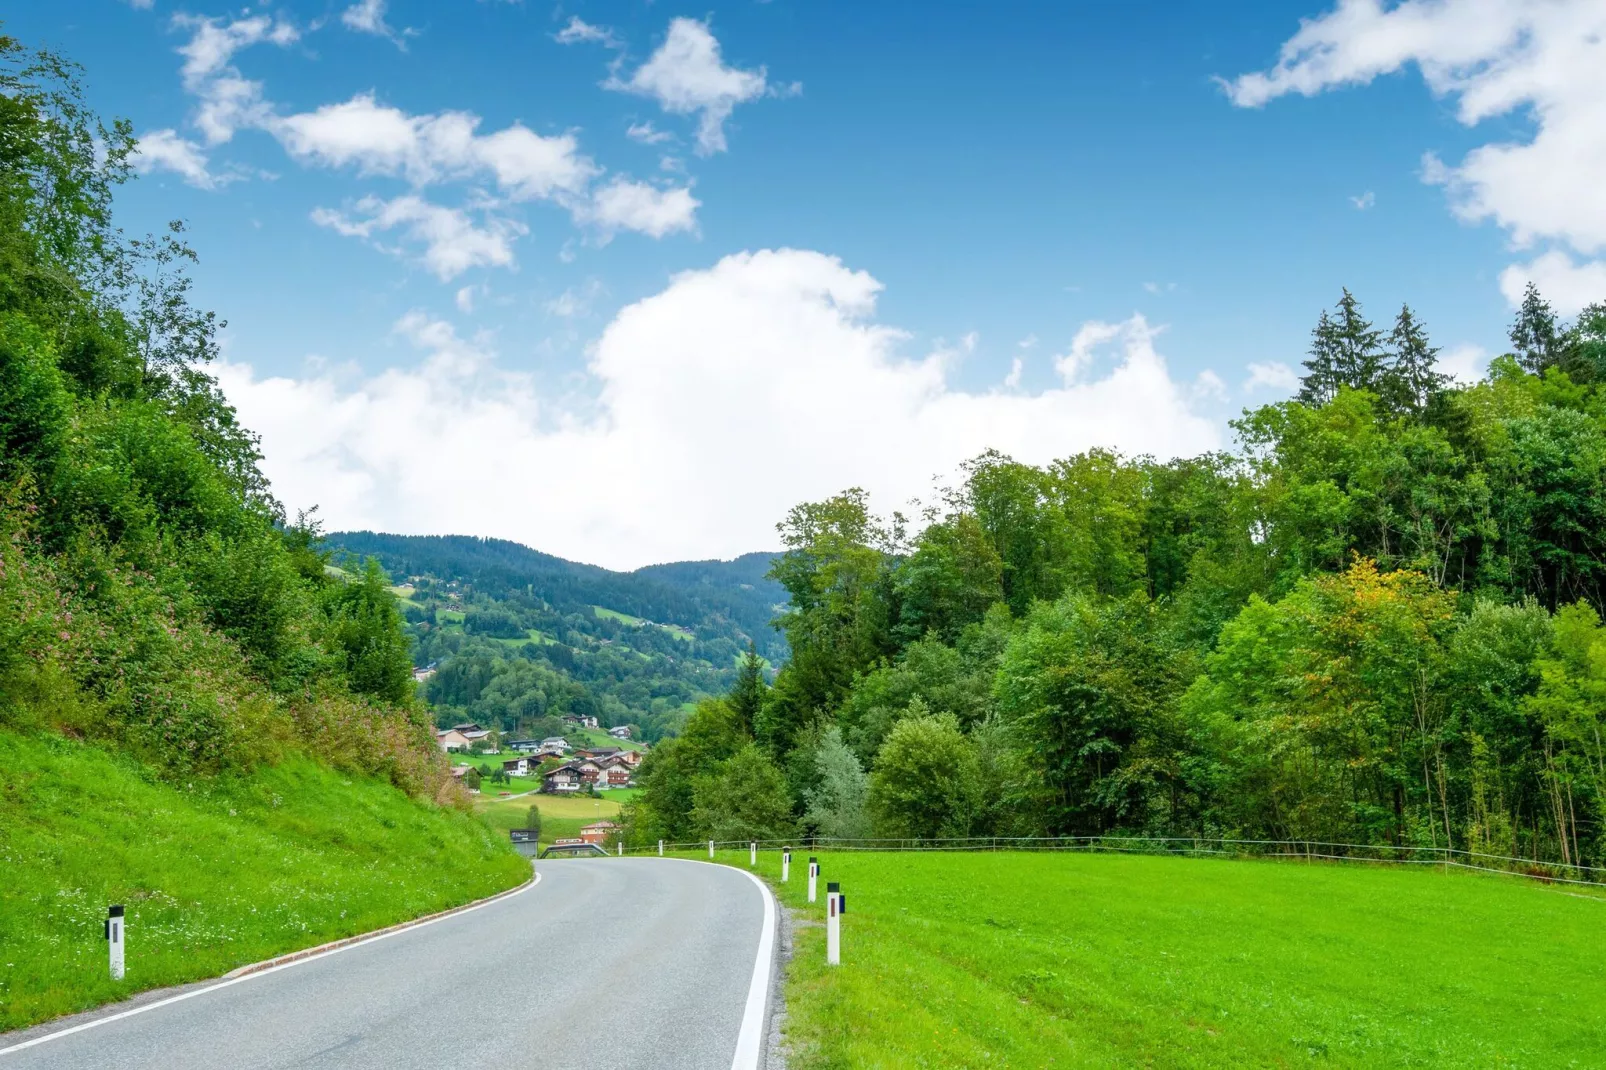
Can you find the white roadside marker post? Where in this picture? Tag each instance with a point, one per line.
(660, 848)
(752, 853)
(786, 863)
(710, 848)
(621, 847)
(834, 905)
(814, 871)
(114, 939)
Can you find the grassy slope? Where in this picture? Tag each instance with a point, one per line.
(561, 816)
(214, 875)
(1058, 960)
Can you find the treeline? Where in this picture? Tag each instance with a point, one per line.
(152, 595)
(1375, 621)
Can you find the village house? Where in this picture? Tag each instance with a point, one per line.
(583, 720)
(598, 832)
(563, 780)
(462, 737)
(520, 766)
(553, 745)
(621, 732)
(523, 746)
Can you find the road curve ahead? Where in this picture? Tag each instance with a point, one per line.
(610, 963)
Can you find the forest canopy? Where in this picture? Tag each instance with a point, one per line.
(1377, 620)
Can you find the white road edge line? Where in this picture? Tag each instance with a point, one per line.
(263, 973)
(750, 1040)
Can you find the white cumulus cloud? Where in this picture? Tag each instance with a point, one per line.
(626, 205)
(225, 99)
(451, 242)
(579, 31)
(716, 405)
(166, 150)
(687, 76)
(1271, 375)
(1543, 61)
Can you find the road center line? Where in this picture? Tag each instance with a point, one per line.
(271, 969)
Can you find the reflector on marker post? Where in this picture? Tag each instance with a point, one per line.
(752, 852)
(833, 924)
(114, 939)
(786, 863)
(814, 872)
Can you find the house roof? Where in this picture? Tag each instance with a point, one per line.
(598, 826)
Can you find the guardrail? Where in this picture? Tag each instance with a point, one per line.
(1199, 846)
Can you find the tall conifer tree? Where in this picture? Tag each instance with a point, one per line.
(1534, 333)
(1411, 377)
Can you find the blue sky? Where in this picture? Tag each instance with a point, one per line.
(1096, 191)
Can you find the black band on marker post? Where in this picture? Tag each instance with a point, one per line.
(114, 911)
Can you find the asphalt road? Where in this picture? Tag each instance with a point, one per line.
(610, 963)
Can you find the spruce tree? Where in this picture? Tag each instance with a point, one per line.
(1534, 333)
(1320, 383)
(1411, 377)
(1345, 350)
(746, 697)
(1360, 346)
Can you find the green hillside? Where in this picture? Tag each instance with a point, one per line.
(214, 873)
(199, 717)
(520, 638)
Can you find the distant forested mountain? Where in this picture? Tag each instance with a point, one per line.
(519, 638)
(691, 594)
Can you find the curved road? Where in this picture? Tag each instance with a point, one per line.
(615, 963)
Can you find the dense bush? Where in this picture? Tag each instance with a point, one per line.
(152, 593)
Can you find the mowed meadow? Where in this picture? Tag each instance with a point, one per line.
(1031, 960)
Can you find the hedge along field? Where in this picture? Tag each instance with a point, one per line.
(1028, 960)
(215, 873)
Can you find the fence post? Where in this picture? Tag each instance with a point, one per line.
(114, 939)
(710, 848)
(660, 848)
(833, 924)
(786, 863)
(814, 872)
(752, 853)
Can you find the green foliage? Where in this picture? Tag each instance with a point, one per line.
(836, 805)
(366, 627)
(927, 780)
(1342, 629)
(743, 797)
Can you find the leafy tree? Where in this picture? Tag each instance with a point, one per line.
(836, 806)
(366, 628)
(926, 781)
(532, 820)
(1088, 688)
(742, 798)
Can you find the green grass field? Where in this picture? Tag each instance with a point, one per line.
(1018, 960)
(562, 816)
(214, 874)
